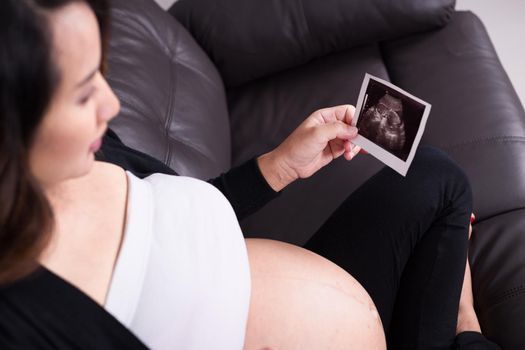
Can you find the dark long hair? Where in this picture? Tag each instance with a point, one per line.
(28, 81)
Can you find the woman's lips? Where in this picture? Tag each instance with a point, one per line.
(95, 146)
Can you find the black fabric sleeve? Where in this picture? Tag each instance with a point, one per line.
(244, 186)
(114, 151)
(474, 341)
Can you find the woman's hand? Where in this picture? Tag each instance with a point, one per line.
(322, 137)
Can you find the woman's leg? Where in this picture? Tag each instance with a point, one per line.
(468, 329)
(405, 240)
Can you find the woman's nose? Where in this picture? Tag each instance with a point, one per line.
(109, 104)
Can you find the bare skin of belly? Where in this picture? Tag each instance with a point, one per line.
(301, 300)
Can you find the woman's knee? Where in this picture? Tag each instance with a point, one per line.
(437, 161)
(433, 163)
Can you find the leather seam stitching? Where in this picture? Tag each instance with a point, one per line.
(497, 139)
(510, 294)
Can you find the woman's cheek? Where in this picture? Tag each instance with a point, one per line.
(77, 136)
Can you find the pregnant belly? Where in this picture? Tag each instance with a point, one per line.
(301, 300)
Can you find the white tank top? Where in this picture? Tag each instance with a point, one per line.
(182, 277)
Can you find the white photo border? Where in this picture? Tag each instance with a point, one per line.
(377, 151)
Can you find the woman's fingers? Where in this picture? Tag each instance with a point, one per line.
(349, 114)
(344, 113)
(351, 150)
(338, 129)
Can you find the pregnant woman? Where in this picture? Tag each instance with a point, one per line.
(96, 257)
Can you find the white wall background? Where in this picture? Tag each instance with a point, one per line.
(505, 22)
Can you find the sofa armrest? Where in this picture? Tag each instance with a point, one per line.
(250, 39)
(476, 114)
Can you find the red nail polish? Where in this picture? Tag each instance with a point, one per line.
(472, 219)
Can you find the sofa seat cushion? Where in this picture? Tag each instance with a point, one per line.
(498, 277)
(173, 100)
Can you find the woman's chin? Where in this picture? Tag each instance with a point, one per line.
(84, 169)
(89, 164)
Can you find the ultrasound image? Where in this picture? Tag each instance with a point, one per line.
(383, 123)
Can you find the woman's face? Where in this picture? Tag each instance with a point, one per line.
(83, 104)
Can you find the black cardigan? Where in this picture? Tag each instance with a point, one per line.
(43, 311)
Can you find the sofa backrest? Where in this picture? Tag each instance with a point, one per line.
(172, 97)
(250, 39)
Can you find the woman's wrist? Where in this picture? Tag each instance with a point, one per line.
(275, 172)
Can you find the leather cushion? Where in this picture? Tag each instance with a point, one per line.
(173, 100)
(476, 115)
(498, 277)
(248, 39)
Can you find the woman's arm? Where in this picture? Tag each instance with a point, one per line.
(322, 137)
(244, 186)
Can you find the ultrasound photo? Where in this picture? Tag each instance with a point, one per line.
(390, 122)
(383, 123)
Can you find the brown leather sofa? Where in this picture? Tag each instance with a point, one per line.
(213, 83)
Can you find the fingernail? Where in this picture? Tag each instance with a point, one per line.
(472, 218)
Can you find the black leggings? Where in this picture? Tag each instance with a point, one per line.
(405, 240)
